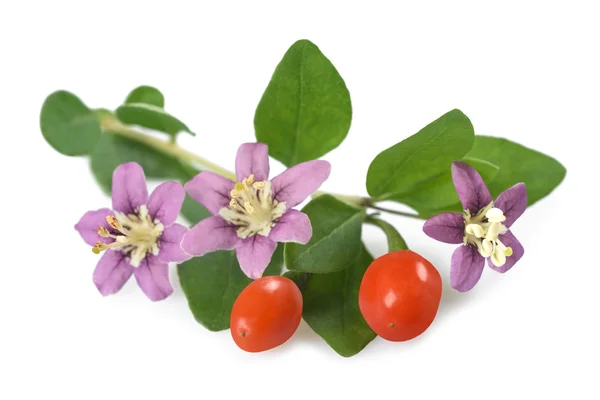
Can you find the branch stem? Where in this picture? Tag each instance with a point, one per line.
(113, 126)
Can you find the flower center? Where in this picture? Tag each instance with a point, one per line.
(137, 235)
(252, 208)
(484, 229)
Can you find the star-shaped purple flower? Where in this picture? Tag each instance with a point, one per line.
(253, 214)
(483, 229)
(139, 236)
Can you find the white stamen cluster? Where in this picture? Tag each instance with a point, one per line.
(252, 208)
(484, 229)
(137, 235)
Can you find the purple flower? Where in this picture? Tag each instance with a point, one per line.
(252, 215)
(139, 237)
(483, 229)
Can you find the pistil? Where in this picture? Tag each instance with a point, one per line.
(137, 235)
(484, 230)
(252, 208)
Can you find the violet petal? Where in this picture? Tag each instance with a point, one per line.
(446, 227)
(513, 202)
(153, 278)
(165, 202)
(297, 183)
(90, 222)
(210, 234)
(509, 240)
(471, 190)
(170, 245)
(210, 190)
(466, 268)
(111, 273)
(129, 189)
(293, 226)
(254, 255)
(252, 158)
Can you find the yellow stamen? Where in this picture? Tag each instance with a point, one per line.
(102, 231)
(98, 247)
(113, 222)
(239, 187)
(508, 252)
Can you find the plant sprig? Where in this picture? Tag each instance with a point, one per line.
(304, 113)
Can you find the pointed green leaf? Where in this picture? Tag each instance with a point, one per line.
(212, 283)
(331, 307)
(335, 241)
(151, 117)
(395, 240)
(305, 112)
(420, 158)
(540, 173)
(146, 95)
(68, 125)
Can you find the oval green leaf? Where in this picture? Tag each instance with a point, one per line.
(212, 283)
(113, 150)
(151, 117)
(305, 112)
(331, 306)
(146, 95)
(68, 125)
(420, 158)
(335, 241)
(540, 173)
(440, 192)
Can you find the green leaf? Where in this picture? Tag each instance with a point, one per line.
(335, 241)
(193, 211)
(331, 307)
(395, 240)
(421, 158)
(113, 150)
(146, 95)
(151, 117)
(440, 192)
(540, 173)
(299, 278)
(305, 111)
(68, 125)
(212, 283)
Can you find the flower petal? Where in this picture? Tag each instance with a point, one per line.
(170, 244)
(129, 189)
(90, 222)
(446, 227)
(111, 273)
(165, 202)
(466, 268)
(297, 183)
(513, 202)
(252, 158)
(509, 240)
(254, 255)
(210, 190)
(209, 235)
(472, 191)
(153, 277)
(293, 226)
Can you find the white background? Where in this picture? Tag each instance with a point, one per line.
(527, 71)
